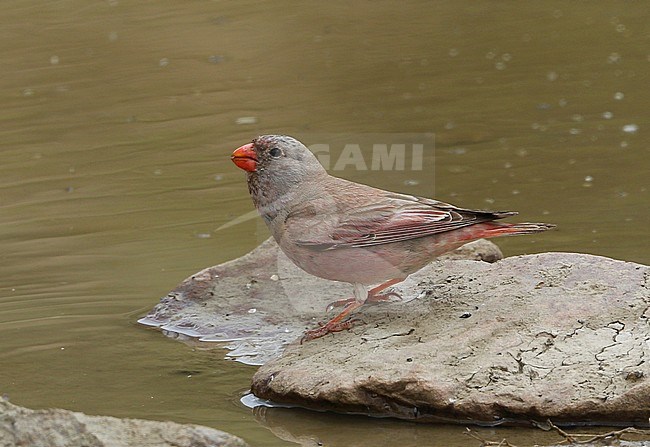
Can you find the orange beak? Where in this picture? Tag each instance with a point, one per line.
(245, 158)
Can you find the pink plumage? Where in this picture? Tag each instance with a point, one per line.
(345, 231)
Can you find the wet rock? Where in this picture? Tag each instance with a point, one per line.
(554, 335)
(55, 427)
(259, 303)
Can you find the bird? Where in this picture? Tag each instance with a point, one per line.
(345, 231)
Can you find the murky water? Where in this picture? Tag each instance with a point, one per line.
(117, 119)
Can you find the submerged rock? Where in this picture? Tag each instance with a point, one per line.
(259, 303)
(554, 335)
(54, 427)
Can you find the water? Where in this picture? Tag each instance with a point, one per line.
(118, 119)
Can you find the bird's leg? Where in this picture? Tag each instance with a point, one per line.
(336, 324)
(373, 295)
(361, 297)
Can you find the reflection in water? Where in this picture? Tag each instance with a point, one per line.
(329, 429)
(118, 119)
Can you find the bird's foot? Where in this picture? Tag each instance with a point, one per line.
(372, 299)
(328, 328)
(339, 323)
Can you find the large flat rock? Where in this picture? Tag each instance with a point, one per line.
(555, 335)
(55, 427)
(257, 304)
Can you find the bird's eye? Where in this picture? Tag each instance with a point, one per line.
(275, 152)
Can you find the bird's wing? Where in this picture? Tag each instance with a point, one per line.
(395, 218)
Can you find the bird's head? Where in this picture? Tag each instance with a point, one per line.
(280, 158)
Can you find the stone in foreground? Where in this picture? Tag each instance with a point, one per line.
(54, 427)
(555, 335)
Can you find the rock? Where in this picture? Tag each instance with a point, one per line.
(54, 427)
(554, 335)
(261, 302)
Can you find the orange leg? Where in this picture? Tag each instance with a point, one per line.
(337, 324)
(373, 295)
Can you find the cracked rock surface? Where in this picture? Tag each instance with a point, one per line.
(54, 427)
(563, 336)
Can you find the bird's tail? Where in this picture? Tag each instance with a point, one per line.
(494, 229)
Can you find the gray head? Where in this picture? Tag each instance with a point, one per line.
(276, 165)
(280, 156)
